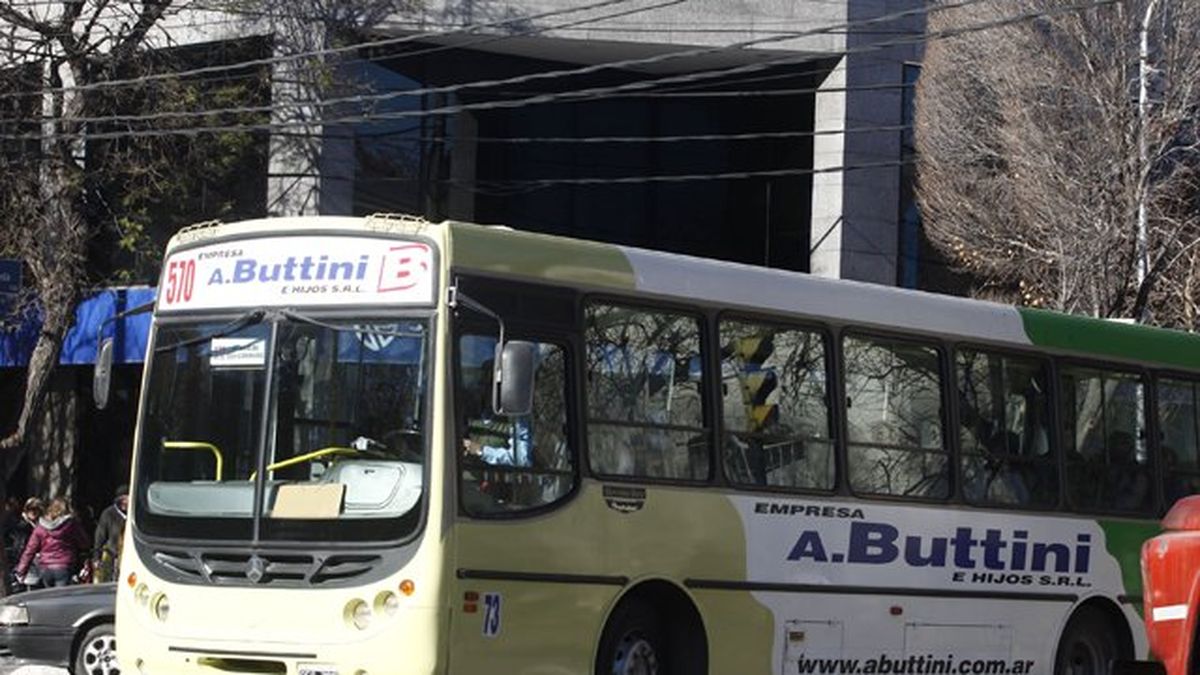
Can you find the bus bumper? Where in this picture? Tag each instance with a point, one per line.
(379, 655)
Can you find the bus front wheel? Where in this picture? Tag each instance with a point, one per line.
(634, 642)
(1089, 644)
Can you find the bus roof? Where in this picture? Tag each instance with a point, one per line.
(599, 267)
(595, 266)
(215, 229)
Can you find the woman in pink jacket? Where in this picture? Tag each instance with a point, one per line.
(58, 542)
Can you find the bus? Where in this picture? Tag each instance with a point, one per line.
(385, 445)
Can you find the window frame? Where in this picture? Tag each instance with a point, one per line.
(949, 447)
(1160, 466)
(832, 387)
(703, 320)
(564, 340)
(1064, 363)
(1053, 418)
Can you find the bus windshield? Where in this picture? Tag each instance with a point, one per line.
(284, 427)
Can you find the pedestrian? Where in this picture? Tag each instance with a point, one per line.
(15, 537)
(58, 543)
(109, 531)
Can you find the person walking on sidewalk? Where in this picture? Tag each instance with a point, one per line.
(58, 542)
(109, 530)
(16, 535)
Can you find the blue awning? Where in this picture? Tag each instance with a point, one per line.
(79, 347)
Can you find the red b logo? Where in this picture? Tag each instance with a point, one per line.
(403, 267)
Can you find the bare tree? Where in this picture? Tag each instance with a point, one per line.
(77, 185)
(1031, 171)
(63, 43)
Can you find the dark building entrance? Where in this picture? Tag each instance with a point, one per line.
(709, 166)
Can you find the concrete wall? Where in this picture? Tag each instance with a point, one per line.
(716, 23)
(311, 166)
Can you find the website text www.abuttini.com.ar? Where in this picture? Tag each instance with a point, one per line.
(912, 665)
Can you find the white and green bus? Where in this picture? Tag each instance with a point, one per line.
(381, 445)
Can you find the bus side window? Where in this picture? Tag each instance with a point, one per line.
(775, 407)
(895, 439)
(510, 464)
(1003, 415)
(1179, 424)
(1108, 462)
(645, 384)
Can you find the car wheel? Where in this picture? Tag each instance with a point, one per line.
(96, 653)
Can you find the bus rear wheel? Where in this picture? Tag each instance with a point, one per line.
(634, 642)
(1089, 644)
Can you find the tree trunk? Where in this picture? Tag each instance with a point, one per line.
(57, 319)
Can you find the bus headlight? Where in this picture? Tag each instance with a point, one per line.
(141, 594)
(358, 614)
(387, 603)
(161, 607)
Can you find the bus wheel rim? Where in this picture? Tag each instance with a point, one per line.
(100, 656)
(635, 656)
(1084, 658)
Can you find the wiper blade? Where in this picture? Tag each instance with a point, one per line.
(250, 318)
(357, 328)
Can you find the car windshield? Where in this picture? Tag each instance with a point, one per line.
(283, 426)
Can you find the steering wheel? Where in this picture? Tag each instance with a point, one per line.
(408, 442)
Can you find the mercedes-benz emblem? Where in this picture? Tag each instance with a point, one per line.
(257, 568)
(374, 341)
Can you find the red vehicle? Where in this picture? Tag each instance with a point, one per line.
(1171, 583)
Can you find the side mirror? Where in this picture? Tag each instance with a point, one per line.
(512, 394)
(102, 373)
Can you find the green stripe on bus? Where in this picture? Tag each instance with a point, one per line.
(538, 256)
(1124, 539)
(1110, 338)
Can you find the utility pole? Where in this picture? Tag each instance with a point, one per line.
(1142, 252)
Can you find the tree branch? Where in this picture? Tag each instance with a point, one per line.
(149, 14)
(26, 21)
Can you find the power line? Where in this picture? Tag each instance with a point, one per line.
(515, 186)
(389, 57)
(287, 58)
(692, 177)
(545, 75)
(422, 52)
(574, 95)
(278, 125)
(678, 138)
(518, 79)
(748, 93)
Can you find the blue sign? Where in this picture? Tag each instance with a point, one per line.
(399, 344)
(131, 333)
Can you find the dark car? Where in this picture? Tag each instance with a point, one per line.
(70, 627)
